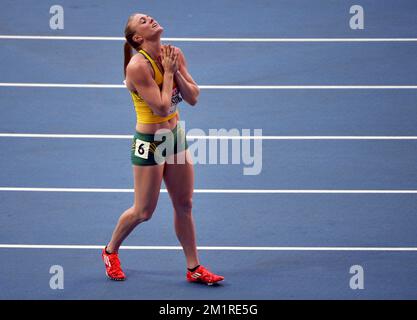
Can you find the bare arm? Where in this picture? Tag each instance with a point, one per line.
(186, 84)
(140, 76)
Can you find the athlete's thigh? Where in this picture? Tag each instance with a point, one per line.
(147, 181)
(179, 176)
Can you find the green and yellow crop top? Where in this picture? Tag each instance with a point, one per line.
(144, 113)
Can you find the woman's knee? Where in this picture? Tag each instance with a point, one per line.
(184, 204)
(142, 213)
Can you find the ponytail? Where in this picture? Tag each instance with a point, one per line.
(127, 56)
(130, 43)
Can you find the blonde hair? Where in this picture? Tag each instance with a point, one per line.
(130, 43)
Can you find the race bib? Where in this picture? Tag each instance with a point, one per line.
(175, 99)
(142, 149)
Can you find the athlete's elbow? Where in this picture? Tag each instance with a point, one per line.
(194, 98)
(192, 101)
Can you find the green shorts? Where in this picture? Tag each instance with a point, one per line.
(153, 149)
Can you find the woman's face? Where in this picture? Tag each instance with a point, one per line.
(146, 27)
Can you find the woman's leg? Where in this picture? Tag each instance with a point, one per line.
(179, 180)
(147, 181)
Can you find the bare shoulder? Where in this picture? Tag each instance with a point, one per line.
(137, 63)
(138, 70)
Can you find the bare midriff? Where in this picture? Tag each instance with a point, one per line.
(153, 127)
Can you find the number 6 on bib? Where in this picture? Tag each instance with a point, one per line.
(142, 149)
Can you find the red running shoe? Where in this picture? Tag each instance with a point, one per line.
(112, 263)
(202, 275)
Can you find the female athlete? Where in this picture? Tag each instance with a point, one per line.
(158, 79)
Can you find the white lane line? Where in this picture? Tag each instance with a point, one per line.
(218, 87)
(215, 248)
(213, 137)
(308, 87)
(209, 39)
(61, 85)
(224, 191)
(65, 136)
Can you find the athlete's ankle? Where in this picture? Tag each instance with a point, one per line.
(194, 268)
(109, 250)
